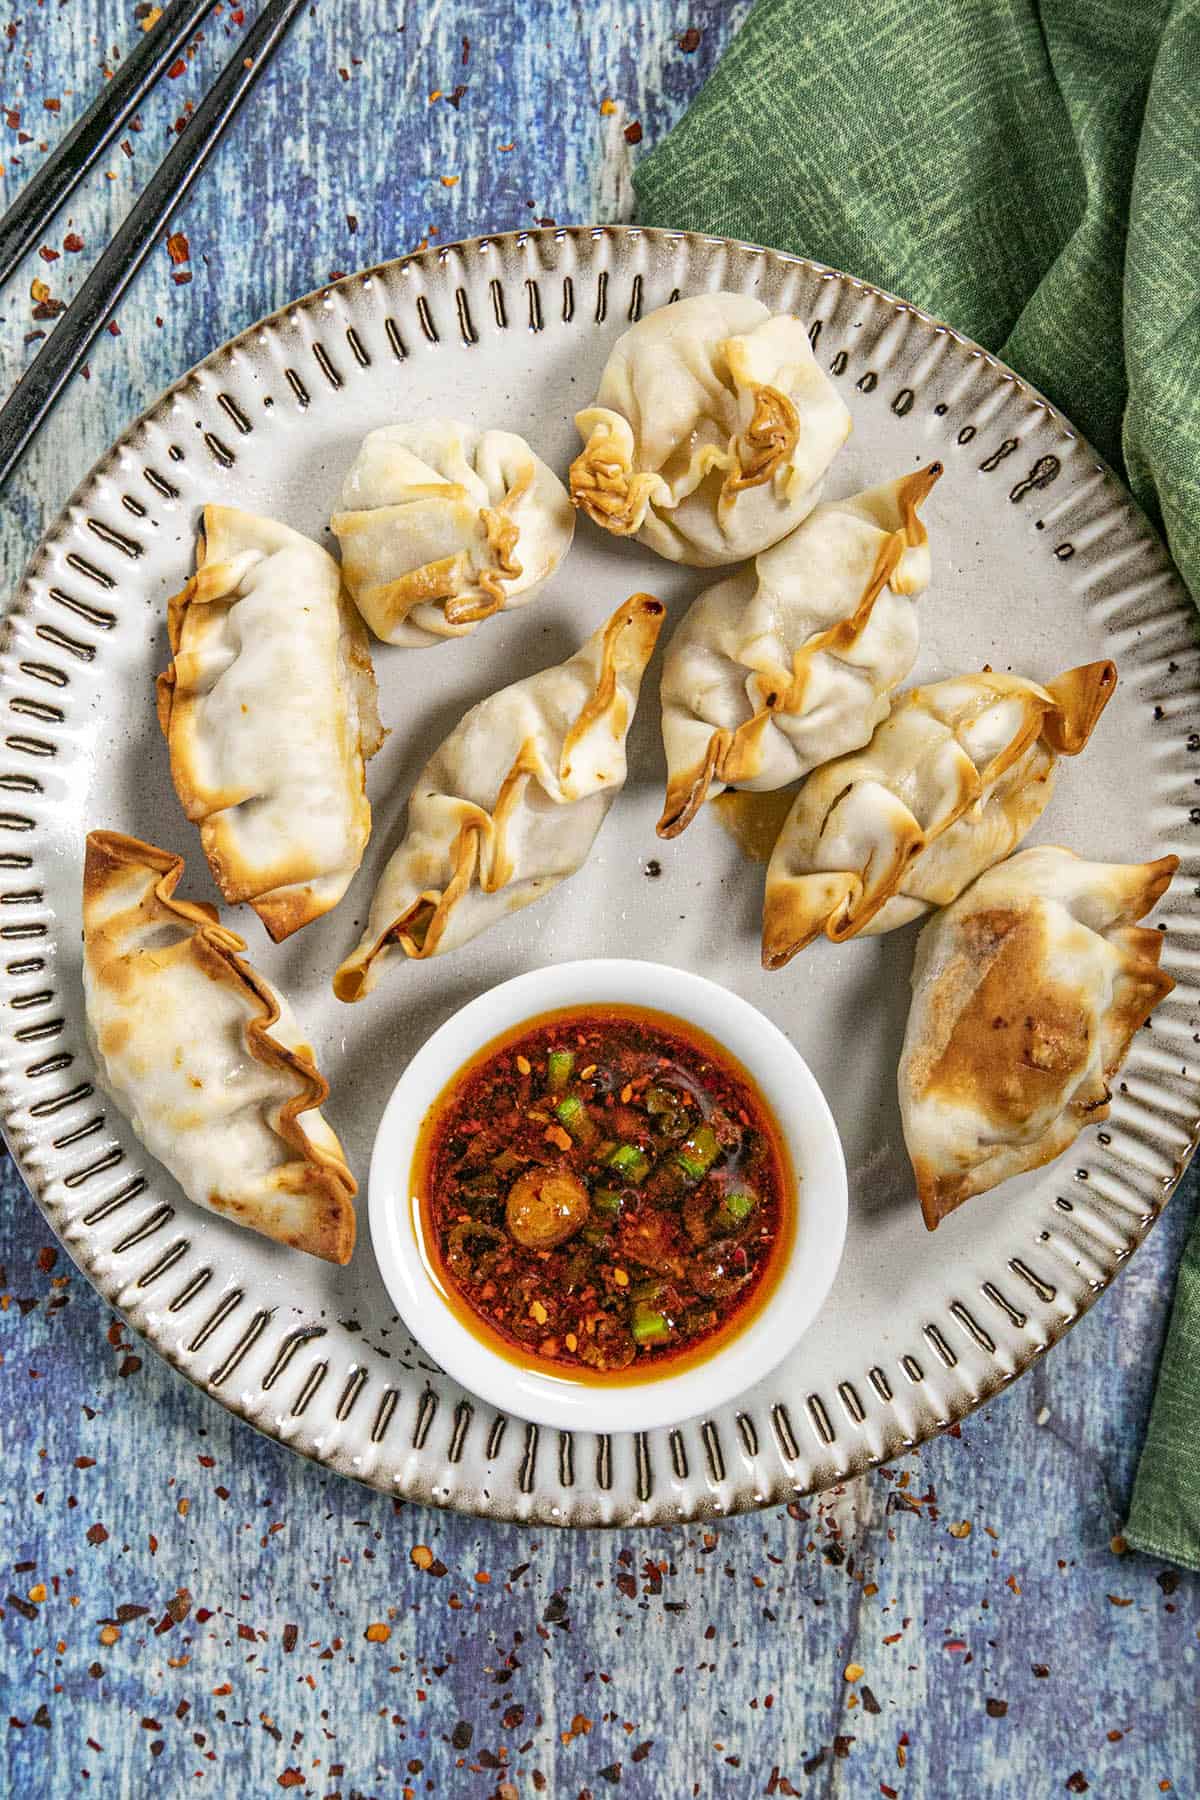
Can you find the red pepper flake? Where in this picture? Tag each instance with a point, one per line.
(129, 1364)
(177, 68)
(290, 1634)
(46, 1259)
(950, 1644)
(49, 255)
(690, 41)
(12, 117)
(181, 277)
(997, 1709)
(52, 105)
(178, 248)
(96, 1534)
(291, 1778)
(633, 132)
(1077, 1783)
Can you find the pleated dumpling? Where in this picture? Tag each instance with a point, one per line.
(711, 432)
(950, 783)
(441, 525)
(269, 711)
(794, 660)
(1026, 995)
(203, 1056)
(511, 802)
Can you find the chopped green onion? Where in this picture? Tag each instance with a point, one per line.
(594, 1235)
(648, 1325)
(607, 1200)
(739, 1204)
(629, 1161)
(647, 1290)
(571, 1112)
(698, 1152)
(559, 1064)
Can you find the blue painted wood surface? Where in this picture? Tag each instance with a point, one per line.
(187, 1604)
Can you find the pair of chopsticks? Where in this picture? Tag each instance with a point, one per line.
(65, 349)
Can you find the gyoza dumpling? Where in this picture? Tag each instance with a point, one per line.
(793, 661)
(203, 1056)
(442, 525)
(269, 711)
(510, 804)
(712, 431)
(949, 784)
(1026, 994)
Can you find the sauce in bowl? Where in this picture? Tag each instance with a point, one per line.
(602, 1193)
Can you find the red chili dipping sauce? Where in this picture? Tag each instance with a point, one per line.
(602, 1193)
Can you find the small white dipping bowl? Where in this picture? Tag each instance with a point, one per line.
(809, 1137)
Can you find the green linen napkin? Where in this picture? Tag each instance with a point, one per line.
(1027, 170)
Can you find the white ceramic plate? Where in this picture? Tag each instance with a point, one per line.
(1041, 562)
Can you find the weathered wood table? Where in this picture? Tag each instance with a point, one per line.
(191, 1608)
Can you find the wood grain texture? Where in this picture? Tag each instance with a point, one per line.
(998, 1662)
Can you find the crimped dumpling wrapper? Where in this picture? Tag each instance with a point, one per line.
(711, 433)
(1026, 994)
(793, 661)
(269, 711)
(204, 1057)
(511, 802)
(441, 525)
(950, 783)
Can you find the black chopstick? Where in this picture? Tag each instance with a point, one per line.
(94, 304)
(34, 207)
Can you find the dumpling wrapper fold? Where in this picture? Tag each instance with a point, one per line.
(793, 661)
(204, 1057)
(269, 711)
(1026, 994)
(949, 784)
(511, 802)
(711, 432)
(441, 525)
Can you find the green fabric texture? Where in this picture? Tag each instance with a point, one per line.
(1029, 171)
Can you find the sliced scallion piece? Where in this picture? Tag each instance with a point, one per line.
(738, 1205)
(698, 1152)
(559, 1065)
(573, 1114)
(630, 1162)
(607, 1201)
(648, 1324)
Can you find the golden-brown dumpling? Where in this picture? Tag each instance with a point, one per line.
(269, 711)
(795, 659)
(711, 432)
(950, 783)
(204, 1057)
(510, 804)
(442, 524)
(1026, 994)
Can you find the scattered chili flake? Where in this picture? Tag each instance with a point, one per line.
(377, 1634)
(607, 108)
(177, 68)
(961, 1530)
(422, 1556)
(633, 132)
(1118, 1545)
(52, 106)
(1116, 1600)
(1077, 1783)
(690, 41)
(449, 180)
(178, 248)
(96, 1534)
(47, 254)
(291, 1778)
(109, 1634)
(1041, 1670)
(996, 1709)
(853, 1672)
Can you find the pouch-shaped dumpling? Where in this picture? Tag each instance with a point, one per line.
(1026, 994)
(711, 433)
(442, 525)
(950, 783)
(203, 1056)
(794, 661)
(269, 712)
(511, 802)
